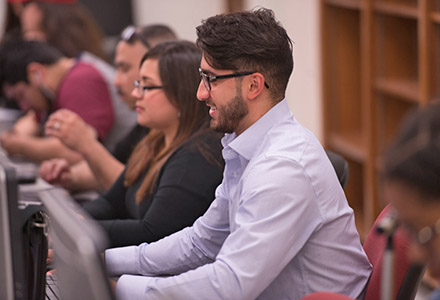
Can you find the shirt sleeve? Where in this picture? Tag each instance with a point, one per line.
(186, 249)
(273, 220)
(85, 92)
(111, 204)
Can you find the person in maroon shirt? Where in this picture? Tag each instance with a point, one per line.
(100, 168)
(42, 80)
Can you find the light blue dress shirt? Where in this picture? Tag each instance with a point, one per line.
(279, 228)
(435, 295)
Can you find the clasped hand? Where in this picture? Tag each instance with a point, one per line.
(71, 129)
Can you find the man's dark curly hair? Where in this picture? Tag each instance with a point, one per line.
(249, 41)
(17, 54)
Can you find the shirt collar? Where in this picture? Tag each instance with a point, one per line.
(247, 142)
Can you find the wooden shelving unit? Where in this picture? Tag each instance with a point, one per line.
(381, 59)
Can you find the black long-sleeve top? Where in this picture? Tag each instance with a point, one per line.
(126, 145)
(184, 190)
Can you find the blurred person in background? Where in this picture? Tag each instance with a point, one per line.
(11, 24)
(71, 28)
(42, 80)
(63, 24)
(172, 174)
(412, 185)
(100, 168)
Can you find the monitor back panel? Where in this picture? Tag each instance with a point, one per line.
(12, 277)
(78, 243)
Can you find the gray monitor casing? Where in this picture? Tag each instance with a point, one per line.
(78, 242)
(12, 277)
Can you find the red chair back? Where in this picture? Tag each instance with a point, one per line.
(406, 275)
(326, 296)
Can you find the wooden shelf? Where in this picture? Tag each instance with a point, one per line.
(403, 88)
(396, 9)
(380, 61)
(390, 112)
(349, 146)
(435, 17)
(350, 4)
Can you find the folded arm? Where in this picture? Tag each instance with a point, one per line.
(37, 148)
(81, 137)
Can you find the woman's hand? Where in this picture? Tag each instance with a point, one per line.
(71, 129)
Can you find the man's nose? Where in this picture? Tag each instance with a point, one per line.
(202, 92)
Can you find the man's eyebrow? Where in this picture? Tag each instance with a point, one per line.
(208, 72)
(147, 78)
(121, 64)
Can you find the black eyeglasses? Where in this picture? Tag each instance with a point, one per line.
(140, 89)
(130, 35)
(207, 79)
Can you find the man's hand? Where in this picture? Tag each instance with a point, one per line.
(12, 142)
(27, 125)
(70, 129)
(50, 261)
(57, 171)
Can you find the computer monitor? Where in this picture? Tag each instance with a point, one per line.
(12, 277)
(78, 243)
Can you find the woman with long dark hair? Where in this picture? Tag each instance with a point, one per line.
(172, 174)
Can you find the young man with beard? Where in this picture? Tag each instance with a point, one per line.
(280, 226)
(100, 168)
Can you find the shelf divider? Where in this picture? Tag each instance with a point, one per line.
(405, 89)
(396, 9)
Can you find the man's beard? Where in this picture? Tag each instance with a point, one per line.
(230, 115)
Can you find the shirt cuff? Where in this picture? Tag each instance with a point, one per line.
(124, 260)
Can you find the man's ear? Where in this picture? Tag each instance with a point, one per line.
(35, 73)
(256, 85)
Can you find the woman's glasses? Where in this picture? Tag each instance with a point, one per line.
(140, 89)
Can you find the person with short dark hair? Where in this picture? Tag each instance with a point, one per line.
(411, 176)
(280, 226)
(100, 168)
(42, 80)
